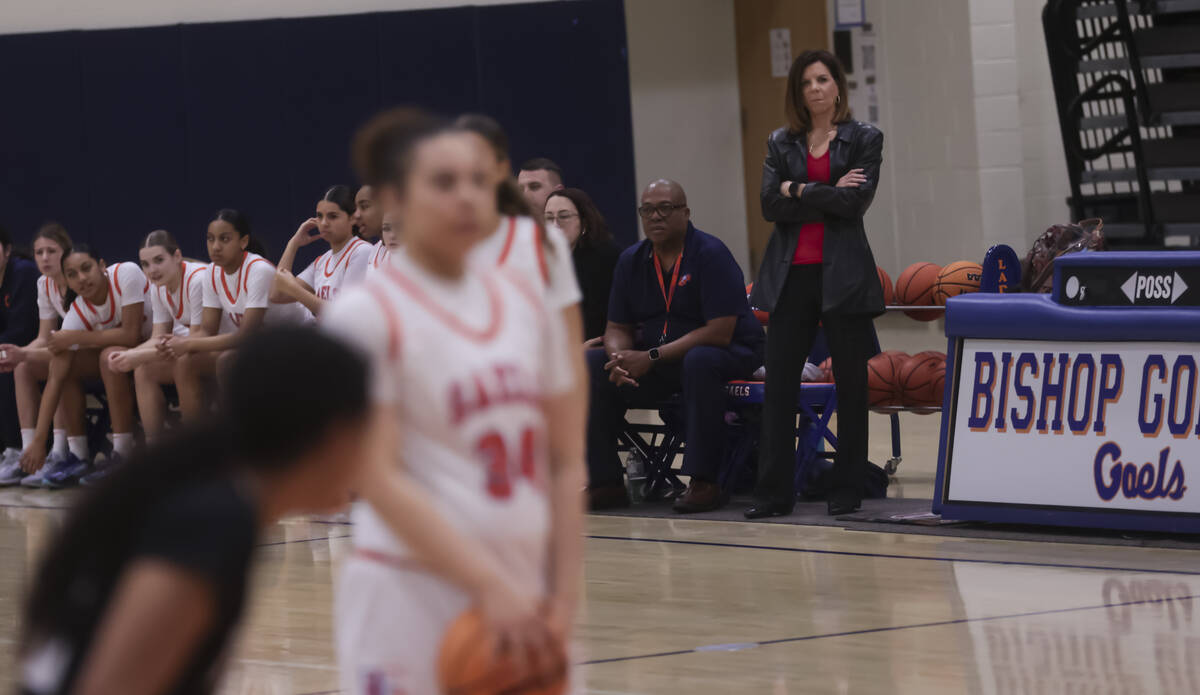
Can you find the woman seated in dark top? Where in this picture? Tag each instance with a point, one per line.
(593, 250)
(140, 592)
(18, 326)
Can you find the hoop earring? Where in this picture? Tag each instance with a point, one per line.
(837, 100)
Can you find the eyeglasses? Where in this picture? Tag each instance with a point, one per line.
(561, 217)
(663, 210)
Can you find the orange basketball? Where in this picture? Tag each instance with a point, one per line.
(919, 381)
(939, 384)
(957, 278)
(885, 281)
(468, 664)
(883, 383)
(915, 287)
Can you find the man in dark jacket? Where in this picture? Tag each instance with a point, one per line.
(678, 322)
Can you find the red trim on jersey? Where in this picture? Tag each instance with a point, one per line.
(185, 282)
(111, 296)
(57, 297)
(350, 246)
(79, 313)
(237, 284)
(480, 336)
(540, 252)
(393, 321)
(381, 254)
(246, 279)
(242, 282)
(508, 243)
(50, 287)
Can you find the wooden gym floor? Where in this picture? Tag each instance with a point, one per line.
(705, 607)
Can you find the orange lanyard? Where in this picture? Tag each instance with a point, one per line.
(667, 296)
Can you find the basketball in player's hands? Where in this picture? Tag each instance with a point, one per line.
(471, 662)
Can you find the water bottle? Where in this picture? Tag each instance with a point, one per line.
(635, 473)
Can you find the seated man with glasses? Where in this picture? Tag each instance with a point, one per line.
(678, 322)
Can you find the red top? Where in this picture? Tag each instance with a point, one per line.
(812, 234)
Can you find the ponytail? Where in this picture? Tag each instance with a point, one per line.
(163, 238)
(341, 196)
(241, 225)
(510, 202)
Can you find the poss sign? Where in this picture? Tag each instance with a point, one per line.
(1095, 426)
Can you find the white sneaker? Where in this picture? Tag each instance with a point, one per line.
(10, 468)
(38, 479)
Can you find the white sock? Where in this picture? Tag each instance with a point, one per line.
(27, 438)
(60, 442)
(78, 446)
(123, 444)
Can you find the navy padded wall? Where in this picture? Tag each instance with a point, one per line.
(41, 134)
(119, 132)
(553, 76)
(236, 148)
(134, 131)
(422, 61)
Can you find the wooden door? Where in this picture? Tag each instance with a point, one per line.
(762, 94)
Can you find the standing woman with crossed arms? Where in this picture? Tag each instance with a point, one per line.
(819, 178)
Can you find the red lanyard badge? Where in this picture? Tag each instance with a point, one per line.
(667, 295)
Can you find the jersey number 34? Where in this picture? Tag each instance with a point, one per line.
(501, 467)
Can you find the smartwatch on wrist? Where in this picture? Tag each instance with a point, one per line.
(794, 189)
(653, 352)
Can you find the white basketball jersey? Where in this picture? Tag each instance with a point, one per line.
(379, 255)
(249, 287)
(50, 299)
(331, 273)
(127, 285)
(185, 306)
(517, 245)
(467, 365)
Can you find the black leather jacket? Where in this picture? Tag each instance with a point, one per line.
(850, 284)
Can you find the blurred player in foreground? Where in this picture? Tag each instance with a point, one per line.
(142, 589)
(482, 505)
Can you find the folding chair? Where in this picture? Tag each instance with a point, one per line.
(657, 445)
(95, 416)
